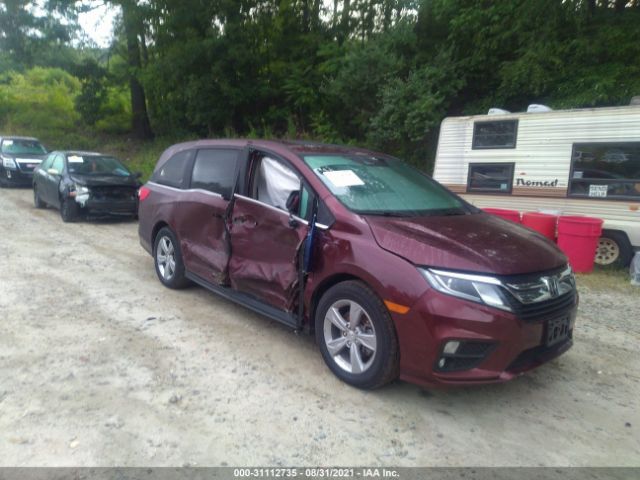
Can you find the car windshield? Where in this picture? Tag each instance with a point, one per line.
(20, 146)
(96, 165)
(383, 186)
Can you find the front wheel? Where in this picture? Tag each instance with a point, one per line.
(356, 336)
(37, 201)
(168, 260)
(68, 210)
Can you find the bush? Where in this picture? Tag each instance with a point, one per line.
(40, 101)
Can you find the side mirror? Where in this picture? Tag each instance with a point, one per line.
(53, 171)
(293, 202)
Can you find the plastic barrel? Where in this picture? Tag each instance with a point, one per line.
(512, 215)
(578, 239)
(542, 223)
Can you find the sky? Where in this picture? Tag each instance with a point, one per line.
(98, 24)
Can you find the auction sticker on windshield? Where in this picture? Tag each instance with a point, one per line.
(76, 159)
(343, 178)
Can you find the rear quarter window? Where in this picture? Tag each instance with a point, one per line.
(174, 172)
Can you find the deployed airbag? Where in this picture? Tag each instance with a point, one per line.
(276, 182)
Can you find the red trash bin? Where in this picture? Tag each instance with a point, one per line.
(512, 215)
(578, 239)
(541, 222)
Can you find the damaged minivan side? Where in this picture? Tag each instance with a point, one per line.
(85, 183)
(393, 274)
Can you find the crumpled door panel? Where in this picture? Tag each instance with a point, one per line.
(264, 258)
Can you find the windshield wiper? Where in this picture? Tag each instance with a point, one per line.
(387, 213)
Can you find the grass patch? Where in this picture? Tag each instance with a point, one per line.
(614, 279)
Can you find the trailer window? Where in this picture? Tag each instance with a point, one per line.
(605, 170)
(490, 177)
(497, 134)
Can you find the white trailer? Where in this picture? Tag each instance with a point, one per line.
(573, 162)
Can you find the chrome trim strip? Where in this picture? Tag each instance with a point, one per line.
(184, 190)
(258, 202)
(320, 226)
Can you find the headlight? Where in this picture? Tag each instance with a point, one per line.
(477, 288)
(8, 162)
(81, 189)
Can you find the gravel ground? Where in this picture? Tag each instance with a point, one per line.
(102, 366)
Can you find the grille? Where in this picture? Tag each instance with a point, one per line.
(27, 167)
(541, 311)
(113, 193)
(538, 355)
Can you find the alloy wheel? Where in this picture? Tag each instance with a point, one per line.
(350, 336)
(165, 258)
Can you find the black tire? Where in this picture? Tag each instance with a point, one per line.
(383, 365)
(176, 279)
(69, 210)
(614, 249)
(37, 201)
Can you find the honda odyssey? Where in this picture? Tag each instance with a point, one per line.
(393, 274)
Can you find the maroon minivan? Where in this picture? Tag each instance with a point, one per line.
(395, 275)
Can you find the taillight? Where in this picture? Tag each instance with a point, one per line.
(143, 193)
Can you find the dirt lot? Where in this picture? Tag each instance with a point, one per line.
(100, 365)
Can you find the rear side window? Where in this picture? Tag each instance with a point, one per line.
(214, 170)
(172, 173)
(490, 177)
(500, 134)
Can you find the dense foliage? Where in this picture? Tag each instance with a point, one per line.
(382, 73)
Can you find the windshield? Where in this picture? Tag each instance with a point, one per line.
(96, 165)
(22, 147)
(383, 186)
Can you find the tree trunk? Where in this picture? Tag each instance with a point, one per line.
(344, 21)
(387, 15)
(141, 127)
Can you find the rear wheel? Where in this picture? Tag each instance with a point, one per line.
(68, 210)
(356, 336)
(37, 201)
(168, 260)
(614, 249)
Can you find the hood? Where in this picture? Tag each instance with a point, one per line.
(104, 180)
(479, 242)
(25, 156)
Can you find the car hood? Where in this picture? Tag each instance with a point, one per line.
(104, 180)
(24, 156)
(477, 243)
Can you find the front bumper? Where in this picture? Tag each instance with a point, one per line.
(16, 178)
(108, 207)
(516, 345)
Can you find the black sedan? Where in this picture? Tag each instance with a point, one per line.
(18, 158)
(85, 183)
